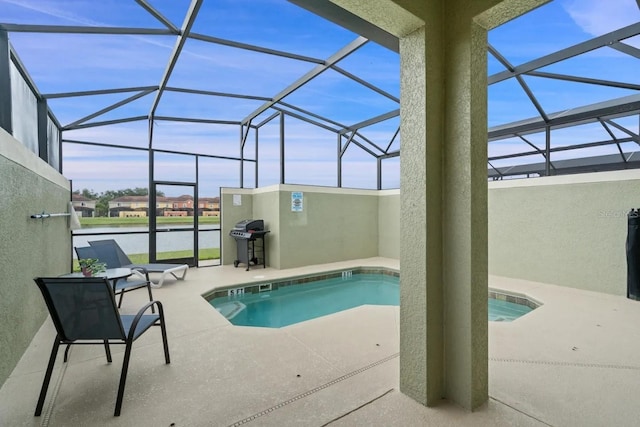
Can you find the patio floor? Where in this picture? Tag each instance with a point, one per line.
(572, 362)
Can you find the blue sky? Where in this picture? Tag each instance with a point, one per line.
(89, 62)
(555, 26)
(558, 25)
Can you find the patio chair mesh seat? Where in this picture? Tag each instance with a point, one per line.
(83, 310)
(112, 254)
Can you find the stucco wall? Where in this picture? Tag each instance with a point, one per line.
(28, 247)
(567, 230)
(336, 224)
(230, 215)
(266, 206)
(389, 224)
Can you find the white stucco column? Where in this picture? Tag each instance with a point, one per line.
(443, 253)
(443, 307)
(421, 163)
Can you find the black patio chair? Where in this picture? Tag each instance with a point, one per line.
(84, 311)
(120, 286)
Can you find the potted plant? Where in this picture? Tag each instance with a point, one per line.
(91, 266)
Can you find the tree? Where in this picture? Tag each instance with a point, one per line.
(89, 194)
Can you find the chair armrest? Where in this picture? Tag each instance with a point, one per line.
(141, 270)
(134, 323)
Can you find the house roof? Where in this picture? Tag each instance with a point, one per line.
(131, 199)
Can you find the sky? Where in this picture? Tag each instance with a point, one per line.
(555, 26)
(91, 62)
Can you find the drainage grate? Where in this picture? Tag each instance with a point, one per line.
(315, 390)
(577, 365)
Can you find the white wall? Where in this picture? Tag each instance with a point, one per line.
(335, 224)
(389, 224)
(568, 230)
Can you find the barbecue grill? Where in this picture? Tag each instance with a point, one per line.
(249, 235)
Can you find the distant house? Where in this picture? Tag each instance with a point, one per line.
(163, 204)
(129, 206)
(209, 206)
(182, 206)
(83, 206)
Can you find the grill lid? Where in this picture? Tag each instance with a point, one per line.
(249, 224)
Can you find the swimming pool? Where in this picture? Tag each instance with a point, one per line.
(279, 304)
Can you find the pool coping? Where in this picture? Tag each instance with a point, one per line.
(274, 284)
(514, 297)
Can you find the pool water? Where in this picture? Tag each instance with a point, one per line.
(505, 311)
(297, 303)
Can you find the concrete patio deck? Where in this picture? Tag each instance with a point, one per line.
(572, 362)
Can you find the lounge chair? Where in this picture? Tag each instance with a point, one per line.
(110, 252)
(83, 310)
(120, 286)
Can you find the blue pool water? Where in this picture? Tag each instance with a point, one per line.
(505, 311)
(297, 303)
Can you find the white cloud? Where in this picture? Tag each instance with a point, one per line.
(71, 62)
(310, 158)
(598, 17)
(134, 134)
(50, 9)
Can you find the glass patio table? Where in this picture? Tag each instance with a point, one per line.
(112, 274)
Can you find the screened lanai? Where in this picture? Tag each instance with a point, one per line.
(453, 233)
(185, 97)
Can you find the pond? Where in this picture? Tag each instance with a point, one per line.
(208, 237)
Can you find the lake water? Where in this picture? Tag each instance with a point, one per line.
(208, 237)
